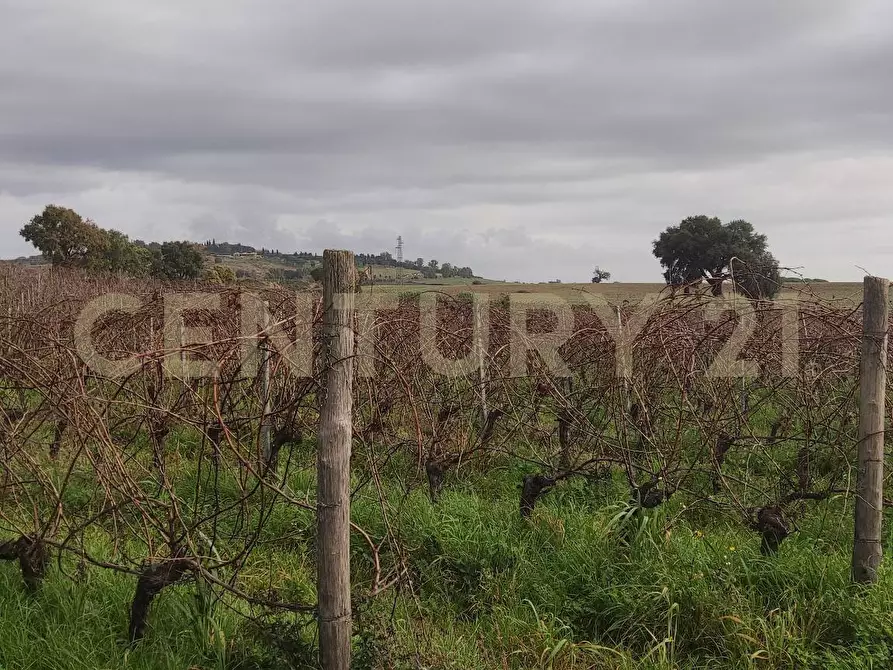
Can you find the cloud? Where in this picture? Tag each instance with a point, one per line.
(529, 140)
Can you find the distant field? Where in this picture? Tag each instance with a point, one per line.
(253, 266)
(388, 273)
(850, 292)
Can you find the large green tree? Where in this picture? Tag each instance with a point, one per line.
(177, 260)
(63, 237)
(66, 239)
(702, 247)
(119, 255)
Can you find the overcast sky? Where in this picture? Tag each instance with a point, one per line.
(529, 139)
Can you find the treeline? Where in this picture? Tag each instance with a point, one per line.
(66, 239)
(428, 270)
(227, 249)
(212, 246)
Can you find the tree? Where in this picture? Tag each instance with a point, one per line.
(177, 260)
(118, 254)
(63, 237)
(599, 275)
(759, 278)
(220, 274)
(702, 247)
(68, 240)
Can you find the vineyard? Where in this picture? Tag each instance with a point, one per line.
(662, 484)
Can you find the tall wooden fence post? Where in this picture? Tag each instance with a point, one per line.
(333, 463)
(872, 384)
(480, 338)
(264, 348)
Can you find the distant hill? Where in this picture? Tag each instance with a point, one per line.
(274, 265)
(29, 260)
(249, 262)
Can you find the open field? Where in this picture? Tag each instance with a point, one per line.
(501, 518)
(616, 292)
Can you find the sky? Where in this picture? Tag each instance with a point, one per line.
(528, 139)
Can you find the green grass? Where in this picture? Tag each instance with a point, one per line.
(490, 590)
(83, 625)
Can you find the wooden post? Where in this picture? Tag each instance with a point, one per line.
(624, 364)
(333, 463)
(264, 349)
(480, 348)
(870, 476)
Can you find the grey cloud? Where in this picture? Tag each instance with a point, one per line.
(484, 132)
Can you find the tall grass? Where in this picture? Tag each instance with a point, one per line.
(578, 585)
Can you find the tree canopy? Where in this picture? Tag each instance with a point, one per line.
(220, 274)
(66, 239)
(702, 247)
(177, 260)
(118, 254)
(599, 275)
(63, 237)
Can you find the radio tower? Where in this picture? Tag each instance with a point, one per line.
(399, 250)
